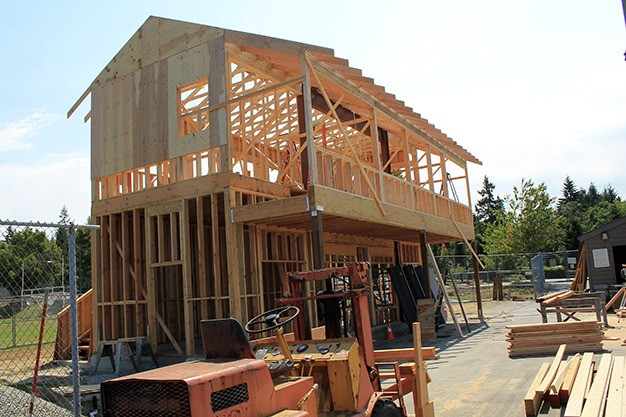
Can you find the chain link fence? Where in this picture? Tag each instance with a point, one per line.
(513, 272)
(38, 315)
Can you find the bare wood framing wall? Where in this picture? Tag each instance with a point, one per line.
(190, 124)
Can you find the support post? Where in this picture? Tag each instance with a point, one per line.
(443, 289)
(424, 259)
(74, 321)
(317, 238)
(303, 140)
(307, 107)
(479, 301)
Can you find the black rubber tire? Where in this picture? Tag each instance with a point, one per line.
(386, 408)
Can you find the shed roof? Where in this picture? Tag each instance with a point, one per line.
(159, 38)
(621, 222)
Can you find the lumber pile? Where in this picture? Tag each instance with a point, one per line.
(545, 338)
(426, 317)
(575, 386)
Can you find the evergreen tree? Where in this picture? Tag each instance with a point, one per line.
(609, 195)
(571, 193)
(591, 197)
(83, 258)
(569, 209)
(62, 240)
(487, 211)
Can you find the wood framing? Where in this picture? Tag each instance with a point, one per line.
(222, 160)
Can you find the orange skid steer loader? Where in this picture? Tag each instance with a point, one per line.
(303, 377)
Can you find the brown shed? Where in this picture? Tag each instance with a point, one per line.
(606, 253)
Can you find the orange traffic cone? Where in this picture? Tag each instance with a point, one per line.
(389, 331)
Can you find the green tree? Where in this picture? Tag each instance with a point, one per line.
(601, 213)
(591, 197)
(28, 254)
(487, 211)
(609, 194)
(569, 209)
(571, 193)
(62, 241)
(83, 258)
(529, 223)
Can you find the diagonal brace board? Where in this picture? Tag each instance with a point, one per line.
(443, 290)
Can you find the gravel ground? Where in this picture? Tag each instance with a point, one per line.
(15, 402)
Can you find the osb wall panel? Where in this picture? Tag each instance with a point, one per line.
(184, 68)
(112, 126)
(156, 40)
(135, 117)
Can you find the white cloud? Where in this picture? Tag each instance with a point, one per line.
(14, 135)
(38, 191)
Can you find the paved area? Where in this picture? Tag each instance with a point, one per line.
(474, 375)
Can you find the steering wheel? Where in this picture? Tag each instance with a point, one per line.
(271, 319)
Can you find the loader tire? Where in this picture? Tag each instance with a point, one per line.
(386, 408)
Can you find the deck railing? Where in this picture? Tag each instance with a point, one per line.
(342, 173)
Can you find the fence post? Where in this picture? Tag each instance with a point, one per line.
(74, 320)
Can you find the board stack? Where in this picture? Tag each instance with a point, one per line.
(573, 385)
(426, 317)
(545, 338)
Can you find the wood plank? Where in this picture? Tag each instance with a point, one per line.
(532, 400)
(188, 305)
(406, 354)
(577, 395)
(555, 400)
(422, 404)
(544, 386)
(568, 380)
(615, 404)
(594, 406)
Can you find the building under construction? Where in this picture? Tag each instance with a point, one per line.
(221, 160)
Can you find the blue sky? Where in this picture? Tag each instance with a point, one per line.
(535, 89)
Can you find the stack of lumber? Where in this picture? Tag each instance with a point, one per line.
(574, 385)
(545, 338)
(426, 318)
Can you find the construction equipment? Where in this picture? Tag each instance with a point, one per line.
(280, 377)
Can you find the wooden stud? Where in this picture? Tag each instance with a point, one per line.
(577, 394)
(615, 402)
(185, 245)
(594, 406)
(532, 401)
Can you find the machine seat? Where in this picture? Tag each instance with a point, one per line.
(225, 338)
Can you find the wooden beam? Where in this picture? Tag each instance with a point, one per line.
(308, 123)
(347, 139)
(442, 286)
(422, 404)
(616, 398)
(364, 96)
(577, 395)
(216, 255)
(532, 401)
(546, 382)
(466, 241)
(596, 399)
(79, 102)
(188, 304)
(568, 380)
(232, 257)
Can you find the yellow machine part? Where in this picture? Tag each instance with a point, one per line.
(343, 372)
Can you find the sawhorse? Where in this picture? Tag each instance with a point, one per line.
(131, 346)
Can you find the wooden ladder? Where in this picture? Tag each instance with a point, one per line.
(398, 392)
